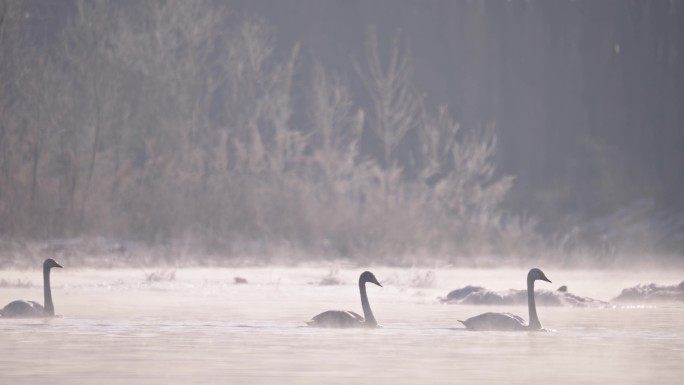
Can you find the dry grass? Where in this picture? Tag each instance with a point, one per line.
(333, 278)
(165, 275)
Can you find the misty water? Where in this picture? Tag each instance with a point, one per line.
(199, 327)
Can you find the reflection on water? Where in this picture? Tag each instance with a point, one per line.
(199, 328)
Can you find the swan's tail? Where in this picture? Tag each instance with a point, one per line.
(464, 323)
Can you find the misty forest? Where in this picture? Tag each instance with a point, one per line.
(288, 130)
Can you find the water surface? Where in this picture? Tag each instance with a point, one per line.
(201, 328)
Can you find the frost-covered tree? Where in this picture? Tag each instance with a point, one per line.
(396, 107)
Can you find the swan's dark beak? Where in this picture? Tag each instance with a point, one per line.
(377, 283)
(543, 277)
(57, 265)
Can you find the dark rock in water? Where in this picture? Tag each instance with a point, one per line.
(240, 280)
(652, 293)
(476, 295)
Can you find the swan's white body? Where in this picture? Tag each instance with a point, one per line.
(508, 321)
(349, 319)
(31, 309)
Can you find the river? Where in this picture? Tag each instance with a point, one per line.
(197, 326)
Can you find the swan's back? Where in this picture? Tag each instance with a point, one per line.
(495, 321)
(20, 308)
(337, 319)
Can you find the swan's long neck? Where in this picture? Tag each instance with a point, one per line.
(534, 320)
(49, 308)
(367, 312)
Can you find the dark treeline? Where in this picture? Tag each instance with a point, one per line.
(348, 129)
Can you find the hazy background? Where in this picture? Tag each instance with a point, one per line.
(471, 132)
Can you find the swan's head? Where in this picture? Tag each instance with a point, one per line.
(50, 263)
(367, 276)
(536, 274)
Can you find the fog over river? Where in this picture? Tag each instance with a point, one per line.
(195, 325)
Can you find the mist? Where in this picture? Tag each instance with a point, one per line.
(217, 190)
(474, 133)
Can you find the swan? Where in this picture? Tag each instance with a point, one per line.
(25, 309)
(349, 319)
(508, 321)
